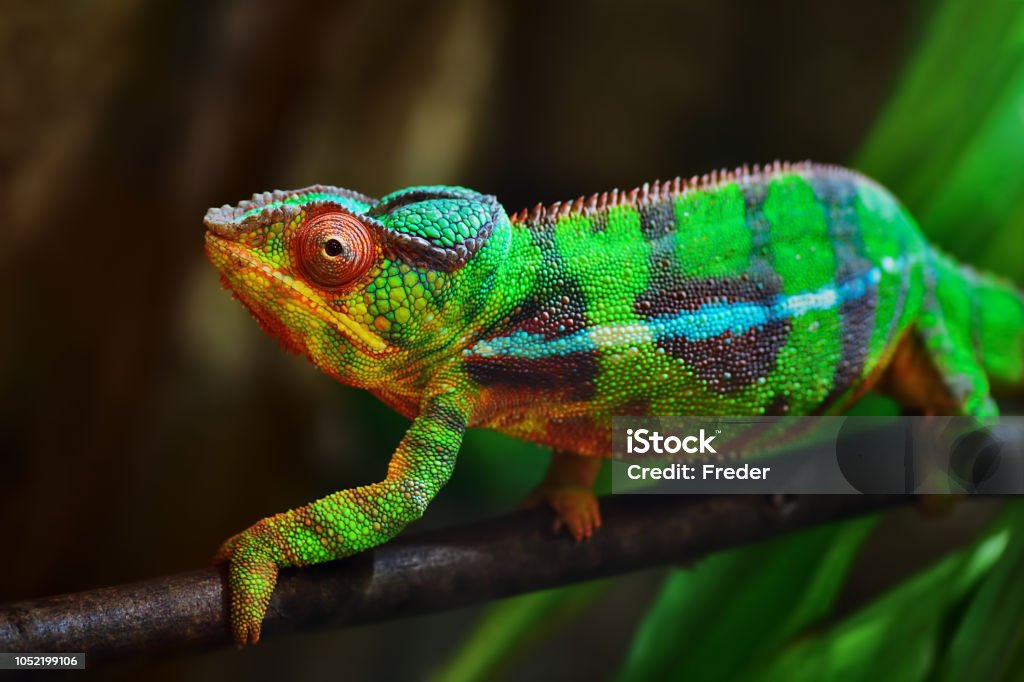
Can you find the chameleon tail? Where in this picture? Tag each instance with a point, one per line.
(990, 311)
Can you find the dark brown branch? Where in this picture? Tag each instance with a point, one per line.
(418, 574)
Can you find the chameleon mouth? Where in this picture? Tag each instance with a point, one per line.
(305, 295)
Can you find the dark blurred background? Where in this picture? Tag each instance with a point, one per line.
(144, 417)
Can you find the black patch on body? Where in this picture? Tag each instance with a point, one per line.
(838, 195)
(550, 313)
(732, 362)
(569, 376)
(673, 294)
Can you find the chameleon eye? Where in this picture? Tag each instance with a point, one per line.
(335, 249)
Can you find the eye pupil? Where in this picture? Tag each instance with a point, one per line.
(333, 247)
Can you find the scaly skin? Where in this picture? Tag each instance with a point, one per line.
(787, 289)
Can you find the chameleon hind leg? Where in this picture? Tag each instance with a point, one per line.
(933, 372)
(568, 487)
(937, 366)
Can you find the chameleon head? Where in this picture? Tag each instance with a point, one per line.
(360, 286)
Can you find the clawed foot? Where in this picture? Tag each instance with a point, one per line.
(252, 574)
(576, 508)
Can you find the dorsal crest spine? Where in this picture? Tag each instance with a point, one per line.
(652, 192)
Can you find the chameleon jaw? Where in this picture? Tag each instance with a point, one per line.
(220, 249)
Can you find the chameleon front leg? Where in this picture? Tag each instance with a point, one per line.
(568, 487)
(347, 522)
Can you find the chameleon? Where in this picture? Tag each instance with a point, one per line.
(790, 288)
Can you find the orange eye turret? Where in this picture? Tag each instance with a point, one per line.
(335, 249)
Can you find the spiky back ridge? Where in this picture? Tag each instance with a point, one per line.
(653, 192)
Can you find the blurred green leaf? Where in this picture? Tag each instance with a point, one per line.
(950, 141)
(902, 636)
(989, 640)
(510, 627)
(715, 621)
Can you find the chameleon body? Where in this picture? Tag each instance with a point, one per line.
(782, 289)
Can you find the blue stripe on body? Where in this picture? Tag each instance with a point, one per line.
(707, 322)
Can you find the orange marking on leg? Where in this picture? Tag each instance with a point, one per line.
(568, 487)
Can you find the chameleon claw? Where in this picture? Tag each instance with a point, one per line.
(245, 634)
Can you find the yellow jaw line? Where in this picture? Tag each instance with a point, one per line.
(309, 297)
(340, 320)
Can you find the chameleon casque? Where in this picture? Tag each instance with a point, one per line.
(792, 288)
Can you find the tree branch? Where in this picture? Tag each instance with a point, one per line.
(417, 574)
